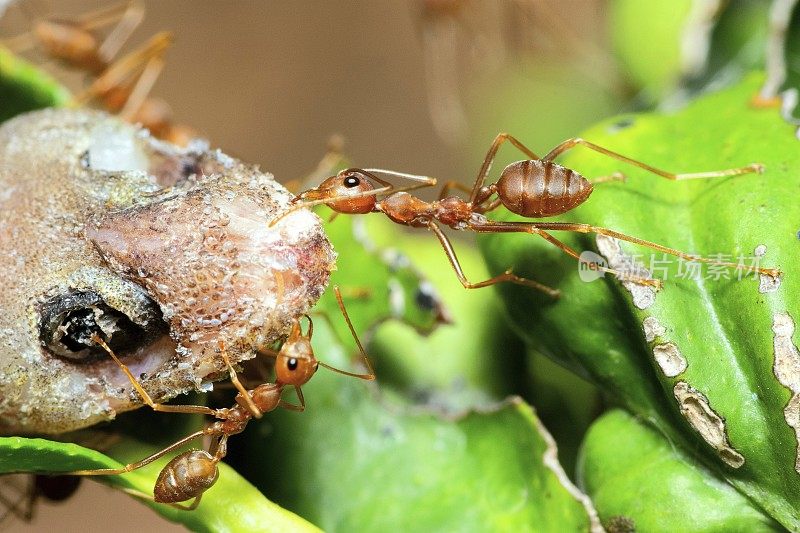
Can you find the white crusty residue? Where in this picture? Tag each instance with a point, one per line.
(696, 410)
(766, 283)
(787, 369)
(652, 328)
(643, 295)
(669, 359)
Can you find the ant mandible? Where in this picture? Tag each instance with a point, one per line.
(535, 187)
(189, 474)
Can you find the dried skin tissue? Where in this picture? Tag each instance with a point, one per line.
(166, 251)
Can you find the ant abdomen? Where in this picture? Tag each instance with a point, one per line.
(186, 476)
(538, 189)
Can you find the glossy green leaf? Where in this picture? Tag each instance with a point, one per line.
(359, 459)
(633, 473)
(232, 504)
(23, 87)
(727, 330)
(474, 359)
(378, 283)
(566, 403)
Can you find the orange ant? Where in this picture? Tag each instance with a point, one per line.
(189, 474)
(535, 187)
(121, 86)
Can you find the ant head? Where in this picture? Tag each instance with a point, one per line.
(296, 363)
(347, 192)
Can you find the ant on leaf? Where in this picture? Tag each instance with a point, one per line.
(536, 187)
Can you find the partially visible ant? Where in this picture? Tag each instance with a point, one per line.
(535, 187)
(189, 474)
(121, 86)
(36, 487)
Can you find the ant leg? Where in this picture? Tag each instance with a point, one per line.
(421, 181)
(144, 496)
(142, 463)
(142, 88)
(292, 407)
(625, 276)
(131, 18)
(452, 184)
(615, 176)
(251, 406)
(505, 276)
(132, 15)
(780, 15)
(489, 159)
(129, 67)
(192, 409)
(527, 227)
(572, 143)
(370, 375)
(586, 228)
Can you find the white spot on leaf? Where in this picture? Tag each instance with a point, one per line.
(696, 410)
(766, 283)
(643, 295)
(670, 359)
(787, 369)
(652, 328)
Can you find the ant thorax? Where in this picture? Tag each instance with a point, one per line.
(452, 211)
(161, 252)
(404, 208)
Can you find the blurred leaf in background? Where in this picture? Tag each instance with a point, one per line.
(24, 87)
(367, 460)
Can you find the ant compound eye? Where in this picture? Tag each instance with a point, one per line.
(352, 181)
(291, 364)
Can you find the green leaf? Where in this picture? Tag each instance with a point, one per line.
(232, 504)
(467, 363)
(726, 330)
(633, 472)
(377, 283)
(23, 87)
(736, 42)
(358, 459)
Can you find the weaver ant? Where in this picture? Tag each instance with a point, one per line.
(535, 187)
(122, 86)
(189, 474)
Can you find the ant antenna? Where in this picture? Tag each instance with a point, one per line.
(371, 374)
